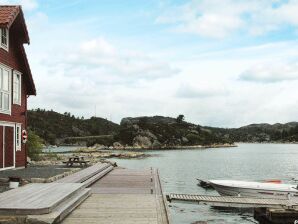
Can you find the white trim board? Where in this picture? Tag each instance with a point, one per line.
(12, 125)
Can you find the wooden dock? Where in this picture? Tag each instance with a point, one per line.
(114, 195)
(123, 196)
(229, 201)
(266, 211)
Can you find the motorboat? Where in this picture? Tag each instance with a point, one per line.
(273, 189)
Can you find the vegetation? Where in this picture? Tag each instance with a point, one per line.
(34, 144)
(157, 131)
(261, 133)
(166, 131)
(180, 118)
(56, 128)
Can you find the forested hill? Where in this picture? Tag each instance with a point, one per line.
(51, 125)
(148, 132)
(287, 132)
(144, 132)
(159, 131)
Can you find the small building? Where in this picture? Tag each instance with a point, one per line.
(16, 84)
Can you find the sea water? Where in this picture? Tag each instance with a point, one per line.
(180, 168)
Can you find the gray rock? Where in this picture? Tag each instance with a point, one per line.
(117, 145)
(136, 127)
(184, 140)
(126, 121)
(194, 132)
(142, 141)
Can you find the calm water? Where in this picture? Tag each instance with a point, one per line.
(180, 168)
(61, 149)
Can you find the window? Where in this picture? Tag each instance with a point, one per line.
(5, 95)
(4, 38)
(17, 90)
(18, 138)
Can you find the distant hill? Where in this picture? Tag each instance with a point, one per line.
(147, 132)
(54, 127)
(261, 132)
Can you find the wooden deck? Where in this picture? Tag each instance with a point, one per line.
(36, 198)
(228, 201)
(123, 196)
(50, 202)
(84, 174)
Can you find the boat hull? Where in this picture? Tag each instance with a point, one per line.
(254, 193)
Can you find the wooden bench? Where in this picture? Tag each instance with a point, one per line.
(76, 160)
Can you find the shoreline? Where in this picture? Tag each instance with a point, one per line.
(282, 143)
(98, 148)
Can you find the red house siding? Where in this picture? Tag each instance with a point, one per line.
(14, 59)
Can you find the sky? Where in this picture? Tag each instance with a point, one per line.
(224, 63)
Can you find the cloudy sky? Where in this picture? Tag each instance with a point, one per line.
(222, 63)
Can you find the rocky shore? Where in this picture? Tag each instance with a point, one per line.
(119, 146)
(89, 154)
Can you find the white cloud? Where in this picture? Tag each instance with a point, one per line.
(127, 76)
(100, 60)
(27, 5)
(99, 73)
(271, 72)
(201, 90)
(97, 46)
(221, 18)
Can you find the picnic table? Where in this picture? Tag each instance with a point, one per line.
(76, 160)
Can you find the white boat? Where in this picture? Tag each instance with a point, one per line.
(254, 189)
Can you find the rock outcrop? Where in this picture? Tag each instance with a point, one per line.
(161, 132)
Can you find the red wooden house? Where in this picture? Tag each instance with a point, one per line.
(16, 84)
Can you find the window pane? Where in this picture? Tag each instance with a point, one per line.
(15, 93)
(1, 70)
(5, 80)
(16, 88)
(4, 36)
(1, 101)
(5, 101)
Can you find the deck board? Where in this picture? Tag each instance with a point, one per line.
(34, 198)
(230, 201)
(84, 174)
(123, 196)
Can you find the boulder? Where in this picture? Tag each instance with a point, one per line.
(142, 141)
(126, 122)
(136, 127)
(184, 140)
(117, 145)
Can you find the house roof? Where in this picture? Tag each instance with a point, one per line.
(8, 14)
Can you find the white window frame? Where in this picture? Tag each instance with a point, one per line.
(5, 47)
(19, 101)
(3, 111)
(18, 142)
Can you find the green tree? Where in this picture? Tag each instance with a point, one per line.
(180, 118)
(34, 146)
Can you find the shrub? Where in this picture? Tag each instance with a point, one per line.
(34, 146)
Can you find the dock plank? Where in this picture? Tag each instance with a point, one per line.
(34, 198)
(230, 201)
(84, 174)
(123, 196)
